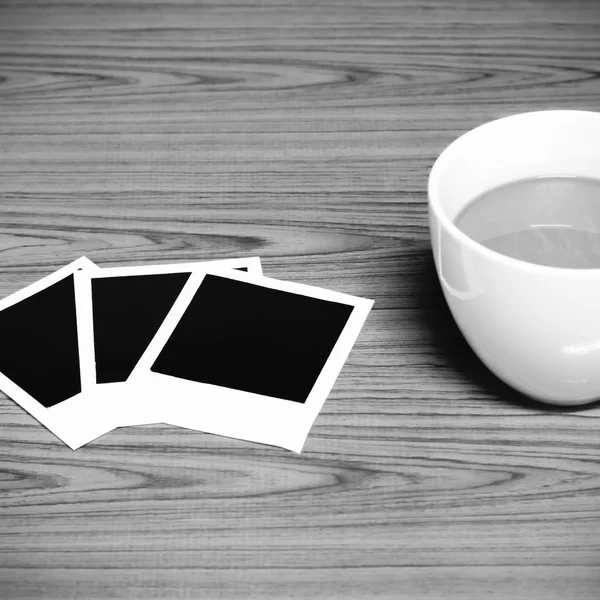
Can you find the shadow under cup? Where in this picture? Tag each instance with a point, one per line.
(536, 327)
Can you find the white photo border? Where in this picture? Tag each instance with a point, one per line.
(235, 413)
(70, 419)
(128, 404)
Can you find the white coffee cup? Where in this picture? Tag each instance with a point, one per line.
(535, 327)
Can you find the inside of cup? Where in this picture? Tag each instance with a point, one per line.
(538, 144)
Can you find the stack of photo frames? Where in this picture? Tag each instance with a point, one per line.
(211, 346)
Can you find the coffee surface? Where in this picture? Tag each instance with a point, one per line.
(552, 221)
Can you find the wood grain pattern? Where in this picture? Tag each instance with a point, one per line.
(172, 130)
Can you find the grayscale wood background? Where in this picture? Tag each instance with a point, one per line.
(158, 131)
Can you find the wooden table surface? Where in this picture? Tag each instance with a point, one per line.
(303, 132)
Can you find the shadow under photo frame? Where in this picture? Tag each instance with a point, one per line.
(447, 339)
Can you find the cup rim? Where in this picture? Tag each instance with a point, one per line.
(449, 226)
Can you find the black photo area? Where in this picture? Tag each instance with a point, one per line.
(39, 348)
(247, 337)
(127, 312)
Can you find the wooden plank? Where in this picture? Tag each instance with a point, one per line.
(164, 130)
